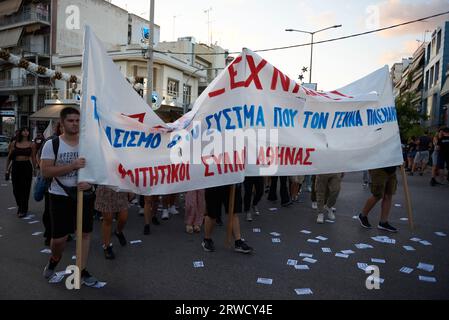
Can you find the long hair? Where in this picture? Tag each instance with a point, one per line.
(19, 136)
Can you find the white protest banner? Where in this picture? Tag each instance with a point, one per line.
(252, 120)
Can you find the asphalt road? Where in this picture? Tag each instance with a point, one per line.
(161, 267)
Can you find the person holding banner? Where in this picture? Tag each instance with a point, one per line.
(327, 190)
(216, 197)
(60, 161)
(195, 209)
(383, 187)
(149, 212)
(249, 183)
(108, 202)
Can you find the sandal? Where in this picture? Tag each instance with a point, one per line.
(189, 229)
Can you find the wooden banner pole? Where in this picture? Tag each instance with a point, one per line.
(79, 232)
(230, 216)
(408, 202)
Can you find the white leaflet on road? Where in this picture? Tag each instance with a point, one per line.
(397, 205)
(362, 265)
(378, 280)
(48, 251)
(326, 250)
(313, 240)
(374, 260)
(409, 248)
(33, 222)
(265, 281)
(302, 267)
(415, 239)
(198, 264)
(347, 251)
(355, 217)
(275, 240)
(309, 260)
(425, 267)
(321, 238)
(291, 262)
(404, 219)
(273, 209)
(440, 234)
(406, 270)
(363, 246)
(135, 241)
(306, 231)
(38, 233)
(256, 230)
(425, 243)
(27, 218)
(330, 221)
(341, 255)
(306, 255)
(303, 291)
(12, 208)
(275, 234)
(56, 278)
(427, 279)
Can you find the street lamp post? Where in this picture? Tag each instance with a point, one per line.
(311, 44)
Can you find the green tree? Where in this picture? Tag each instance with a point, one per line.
(408, 116)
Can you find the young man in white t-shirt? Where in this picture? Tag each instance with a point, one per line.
(64, 171)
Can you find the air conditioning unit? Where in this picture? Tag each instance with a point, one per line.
(12, 98)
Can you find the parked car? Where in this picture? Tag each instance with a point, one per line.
(4, 142)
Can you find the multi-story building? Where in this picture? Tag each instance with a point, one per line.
(209, 60)
(51, 33)
(436, 66)
(396, 73)
(25, 30)
(411, 77)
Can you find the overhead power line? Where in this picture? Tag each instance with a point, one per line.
(318, 42)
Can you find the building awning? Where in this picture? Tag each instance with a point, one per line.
(10, 38)
(445, 88)
(8, 7)
(416, 84)
(51, 111)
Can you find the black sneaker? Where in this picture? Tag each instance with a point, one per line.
(208, 245)
(87, 279)
(387, 227)
(146, 229)
(155, 221)
(241, 246)
(108, 253)
(364, 221)
(287, 204)
(121, 238)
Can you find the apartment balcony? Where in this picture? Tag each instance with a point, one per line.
(25, 17)
(24, 85)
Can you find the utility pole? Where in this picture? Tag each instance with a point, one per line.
(150, 57)
(209, 35)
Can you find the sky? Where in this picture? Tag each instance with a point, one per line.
(261, 24)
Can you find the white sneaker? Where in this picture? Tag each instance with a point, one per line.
(249, 217)
(256, 210)
(141, 212)
(330, 213)
(314, 205)
(320, 218)
(334, 209)
(172, 210)
(165, 214)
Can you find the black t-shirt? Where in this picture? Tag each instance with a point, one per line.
(411, 147)
(424, 142)
(443, 143)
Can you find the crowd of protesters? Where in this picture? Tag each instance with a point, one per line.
(56, 158)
